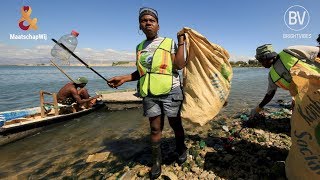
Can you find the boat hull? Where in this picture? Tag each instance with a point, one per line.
(37, 123)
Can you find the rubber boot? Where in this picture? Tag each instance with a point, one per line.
(181, 149)
(156, 161)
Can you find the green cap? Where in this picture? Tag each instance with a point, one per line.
(265, 51)
(81, 80)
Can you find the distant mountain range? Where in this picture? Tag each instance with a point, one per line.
(42, 55)
(11, 55)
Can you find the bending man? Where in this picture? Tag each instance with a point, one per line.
(280, 65)
(76, 92)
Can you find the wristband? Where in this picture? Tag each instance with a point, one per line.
(181, 44)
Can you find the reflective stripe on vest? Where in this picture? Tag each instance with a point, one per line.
(157, 80)
(288, 61)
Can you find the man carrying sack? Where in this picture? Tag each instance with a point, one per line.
(296, 70)
(280, 65)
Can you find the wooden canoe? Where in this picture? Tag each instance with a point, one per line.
(15, 125)
(35, 120)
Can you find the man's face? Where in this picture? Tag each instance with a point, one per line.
(267, 63)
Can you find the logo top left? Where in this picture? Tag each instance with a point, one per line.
(25, 22)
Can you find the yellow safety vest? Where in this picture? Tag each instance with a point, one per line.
(288, 61)
(157, 80)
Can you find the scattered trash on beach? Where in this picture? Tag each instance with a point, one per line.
(244, 117)
(225, 148)
(284, 104)
(202, 144)
(225, 128)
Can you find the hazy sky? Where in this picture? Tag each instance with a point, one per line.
(112, 25)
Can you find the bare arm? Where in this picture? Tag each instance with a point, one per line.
(178, 58)
(119, 80)
(76, 96)
(267, 98)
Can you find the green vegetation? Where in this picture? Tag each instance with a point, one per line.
(250, 63)
(120, 63)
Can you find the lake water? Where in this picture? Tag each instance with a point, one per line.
(20, 85)
(62, 148)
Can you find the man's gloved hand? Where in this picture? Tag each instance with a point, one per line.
(255, 111)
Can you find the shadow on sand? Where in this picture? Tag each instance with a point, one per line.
(243, 159)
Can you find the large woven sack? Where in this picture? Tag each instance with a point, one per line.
(303, 161)
(206, 78)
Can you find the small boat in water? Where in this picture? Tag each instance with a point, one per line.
(18, 124)
(21, 120)
(15, 125)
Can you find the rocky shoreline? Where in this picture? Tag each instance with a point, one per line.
(225, 148)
